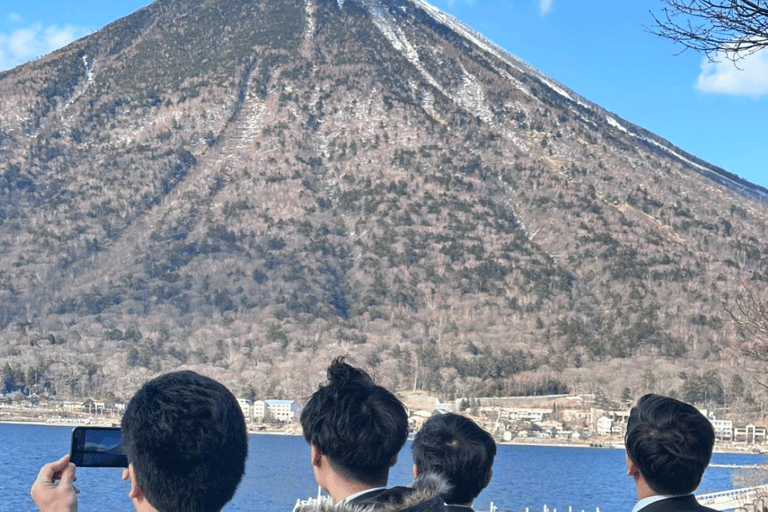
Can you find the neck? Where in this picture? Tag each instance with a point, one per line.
(142, 505)
(643, 490)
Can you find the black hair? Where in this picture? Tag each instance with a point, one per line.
(670, 442)
(186, 438)
(358, 425)
(460, 450)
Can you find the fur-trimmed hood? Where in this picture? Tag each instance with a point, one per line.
(423, 495)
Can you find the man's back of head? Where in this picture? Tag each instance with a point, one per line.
(186, 440)
(458, 449)
(358, 426)
(670, 442)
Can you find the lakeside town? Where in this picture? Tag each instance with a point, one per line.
(555, 419)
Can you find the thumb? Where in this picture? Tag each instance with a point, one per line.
(68, 474)
(53, 470)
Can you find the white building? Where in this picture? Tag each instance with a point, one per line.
(723, 429)
(750, 434)
(519, 414)
(604, 425)
(281, 410)
(247, 408)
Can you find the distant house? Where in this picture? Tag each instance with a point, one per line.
(421, 402)
(73, 406)
(550, 426)
(604, 425)
(723, 429)
(247, 408)
(749, 434)
(281, 410)
(520, 414)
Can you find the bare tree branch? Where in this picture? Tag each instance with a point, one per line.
(730, 28)
(750, 317)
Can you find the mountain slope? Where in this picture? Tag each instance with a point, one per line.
(254, 187)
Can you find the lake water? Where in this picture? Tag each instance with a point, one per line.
(278, 472)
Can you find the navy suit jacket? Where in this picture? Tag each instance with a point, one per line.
(367, 498)
(459, 508)
(677, 504)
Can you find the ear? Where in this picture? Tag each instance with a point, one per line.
(632, 469)
(135, 493)
(415, 471)
(316, 456)
(393, 461)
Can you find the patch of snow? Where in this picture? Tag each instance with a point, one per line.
(615, 124)
(557, 89)
(88, 70)
(310, 19)
(399, 41)
(673, 153)
(472, 97)
(489, 46)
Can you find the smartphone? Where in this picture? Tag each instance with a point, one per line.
(97, 447)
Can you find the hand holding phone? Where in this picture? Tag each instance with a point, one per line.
(47, 494)
(97, 447)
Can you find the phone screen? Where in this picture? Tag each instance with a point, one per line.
(97, 447)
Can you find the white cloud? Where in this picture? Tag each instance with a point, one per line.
(33, 41)
(749, 77)
(545, 6)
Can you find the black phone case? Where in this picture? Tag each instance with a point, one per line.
(83, 455)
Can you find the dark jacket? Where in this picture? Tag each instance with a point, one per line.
(677, 504)
(458, 508)
(423, 495)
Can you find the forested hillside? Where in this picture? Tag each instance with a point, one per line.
(252, 188)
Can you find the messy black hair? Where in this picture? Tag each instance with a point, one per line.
(359, 426)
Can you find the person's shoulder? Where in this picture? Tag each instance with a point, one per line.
(407, 499)
(458, 508)
(677, 504)
(434, 504)
(423, 495)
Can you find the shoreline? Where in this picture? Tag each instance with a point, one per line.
(609, 444)
(739, 449)
(116, 422)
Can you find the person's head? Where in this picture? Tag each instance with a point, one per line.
(358, 426)
(670, 442)
(460, 450)
(186, 441)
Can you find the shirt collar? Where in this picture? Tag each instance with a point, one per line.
(647, 501)
(361, 493)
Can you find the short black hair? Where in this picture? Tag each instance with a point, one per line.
(460, 450)
(670, 442)
(359, 426)
(186, 438)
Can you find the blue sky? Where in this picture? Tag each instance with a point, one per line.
(597, 48)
